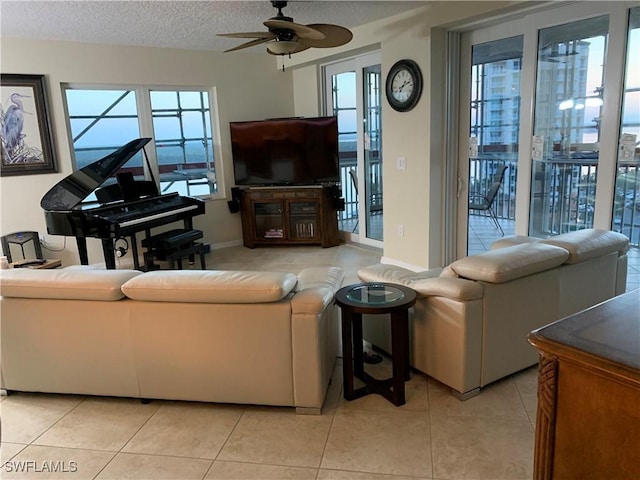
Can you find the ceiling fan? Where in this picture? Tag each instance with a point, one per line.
(285, 37)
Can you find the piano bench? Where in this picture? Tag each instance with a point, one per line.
(173, 246)
(171, 239)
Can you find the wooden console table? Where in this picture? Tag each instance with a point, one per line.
(47, 264)
(588, 420)
(289, 216)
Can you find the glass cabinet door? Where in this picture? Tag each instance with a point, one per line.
(303, 220)
(269, 220)
(567, 117)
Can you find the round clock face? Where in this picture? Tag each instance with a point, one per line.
(404, 85)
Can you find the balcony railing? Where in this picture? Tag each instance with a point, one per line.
(563, 192)
(626, 205)
(349, 191)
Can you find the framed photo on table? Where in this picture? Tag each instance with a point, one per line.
(25, 128)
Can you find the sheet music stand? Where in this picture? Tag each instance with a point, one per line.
(21, 238)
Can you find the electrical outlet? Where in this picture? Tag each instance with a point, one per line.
(400, 229)
(402, 163)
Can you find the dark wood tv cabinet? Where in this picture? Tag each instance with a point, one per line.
(304, 215)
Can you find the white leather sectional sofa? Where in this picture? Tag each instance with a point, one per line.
(264, 338)
(470, 324)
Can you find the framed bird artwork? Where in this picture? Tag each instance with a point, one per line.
(25, 129)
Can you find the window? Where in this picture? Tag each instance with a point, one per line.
(179, 121)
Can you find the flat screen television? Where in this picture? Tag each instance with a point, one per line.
(289, 151)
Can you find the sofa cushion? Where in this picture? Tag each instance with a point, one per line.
(313, 277)
(394, 274)
(512, 240)
(508, 263)
(589, 243)
(312, 300)
(456, 288)
(210, 286)
(65, 284)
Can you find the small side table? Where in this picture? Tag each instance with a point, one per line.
(375, 298)
(21, 238)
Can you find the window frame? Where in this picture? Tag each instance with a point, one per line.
(145, 126)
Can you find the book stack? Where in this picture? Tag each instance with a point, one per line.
(274, 233)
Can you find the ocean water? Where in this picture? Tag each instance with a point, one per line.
(174, 155)
(166, 156)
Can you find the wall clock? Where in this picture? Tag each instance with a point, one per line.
(404, 85)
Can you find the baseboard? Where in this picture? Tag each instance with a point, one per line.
(467, 395)
(232, 243)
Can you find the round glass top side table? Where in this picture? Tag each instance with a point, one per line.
(375, 299)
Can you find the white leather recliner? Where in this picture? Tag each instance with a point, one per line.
(470, 324)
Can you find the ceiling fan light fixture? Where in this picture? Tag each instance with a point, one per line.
(282, 47)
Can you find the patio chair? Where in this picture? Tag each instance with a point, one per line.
(354, 180)
(484, 202)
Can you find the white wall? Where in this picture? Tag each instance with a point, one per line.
(307, 101)
(248, 86)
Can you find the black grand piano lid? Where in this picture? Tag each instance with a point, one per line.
(74, 188)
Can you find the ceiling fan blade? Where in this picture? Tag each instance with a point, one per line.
(301, 47)
(248, 44)
(303, 31)
(289, 34)
(268, 35)
(335, 36)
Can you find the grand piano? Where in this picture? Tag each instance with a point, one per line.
(133, 209)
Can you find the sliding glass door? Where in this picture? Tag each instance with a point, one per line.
(491, 83)
(626, 205)
(568, 115)
(555, 96)
(353, 94)
(494, 119)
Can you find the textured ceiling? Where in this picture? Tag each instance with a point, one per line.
(175, 24)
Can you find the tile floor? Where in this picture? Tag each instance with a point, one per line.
(433, 436)
(483, 232)
(633, 269)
